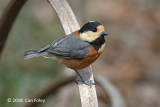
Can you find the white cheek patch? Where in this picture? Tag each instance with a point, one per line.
(89, 36)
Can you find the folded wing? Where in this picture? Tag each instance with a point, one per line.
(67, 47)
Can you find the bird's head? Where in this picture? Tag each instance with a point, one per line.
(92, 31)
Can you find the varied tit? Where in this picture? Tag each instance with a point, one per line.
(76, 50)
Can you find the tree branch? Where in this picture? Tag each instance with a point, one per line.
(7, 19)
(50, 90)
(70, 24)
(115, 96)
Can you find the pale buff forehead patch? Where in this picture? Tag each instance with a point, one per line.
(91, 21)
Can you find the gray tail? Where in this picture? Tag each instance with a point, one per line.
(34, 53)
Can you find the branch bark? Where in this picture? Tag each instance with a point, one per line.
(7, 19)
(115, 96)
(51, 89)
(70, 24)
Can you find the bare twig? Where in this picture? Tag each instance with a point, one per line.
(66, 15)
(77, 8)
(50, 90)
(70, 24)
(115, 96)
(7, 19)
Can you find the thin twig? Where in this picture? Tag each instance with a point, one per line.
(115, 96)
(7, 19)
(51, 89)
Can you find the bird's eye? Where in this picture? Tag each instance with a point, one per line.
(94, 29)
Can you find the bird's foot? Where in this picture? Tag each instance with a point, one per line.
(87, 82)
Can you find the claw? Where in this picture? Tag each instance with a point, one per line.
(87, 82)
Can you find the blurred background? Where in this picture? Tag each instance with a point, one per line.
(131, 60)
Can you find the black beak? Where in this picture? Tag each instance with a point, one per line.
(104, 33)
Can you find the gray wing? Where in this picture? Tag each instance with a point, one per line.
(68, 47)
(42, 51)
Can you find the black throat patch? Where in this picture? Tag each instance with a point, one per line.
(98, 42)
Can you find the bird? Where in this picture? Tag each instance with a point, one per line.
(76, 50)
